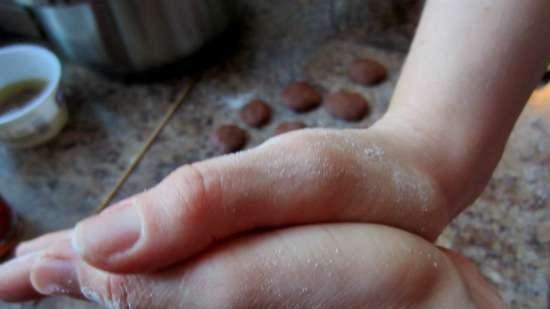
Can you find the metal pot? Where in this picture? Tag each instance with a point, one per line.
(127, 36)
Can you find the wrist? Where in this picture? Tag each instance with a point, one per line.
(452, 161)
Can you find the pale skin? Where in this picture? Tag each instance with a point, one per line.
(472, 67)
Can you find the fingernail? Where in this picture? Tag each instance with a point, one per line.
(53, 276)
(108, 235)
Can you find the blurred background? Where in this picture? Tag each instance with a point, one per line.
(124, 63)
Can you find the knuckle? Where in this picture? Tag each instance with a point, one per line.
(116, 291)
(197, 197)
(105, 294)
(313, 144)
(126, 292)
(296, 140)
(318, 153)
(183, 194)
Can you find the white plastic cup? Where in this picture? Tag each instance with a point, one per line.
(43, 117)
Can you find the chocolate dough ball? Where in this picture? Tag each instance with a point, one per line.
(288, 126)
(347, 105)
(301, 96)
(256, 113)
(367, 72)
(229, 138)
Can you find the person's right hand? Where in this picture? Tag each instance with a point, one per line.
(320, 266)
(312, 176)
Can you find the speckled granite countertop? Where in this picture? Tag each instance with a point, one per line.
(507, 231)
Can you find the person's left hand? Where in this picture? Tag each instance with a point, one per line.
(322, 266)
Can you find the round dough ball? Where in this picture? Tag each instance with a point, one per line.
(367, 72)
(300, 96)
(256, 113)
(347, 105)
(229, 138)
(288, 126)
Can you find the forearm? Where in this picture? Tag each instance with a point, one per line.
(471, 68)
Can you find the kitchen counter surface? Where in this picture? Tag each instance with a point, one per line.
(507, 231)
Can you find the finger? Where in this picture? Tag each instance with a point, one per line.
(42, 242)
(295, 179)
(60, 272)
(17, 282)
(56, 264)
(15, 285)
(332, 266)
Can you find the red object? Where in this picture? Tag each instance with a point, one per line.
(5, 219)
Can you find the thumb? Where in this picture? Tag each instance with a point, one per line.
(201, 203)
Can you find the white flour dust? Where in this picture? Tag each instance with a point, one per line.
(408, 186)
(56, 290)
(374, 152)
(93, 296)
(236, 102)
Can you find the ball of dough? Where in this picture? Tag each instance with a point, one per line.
(288, 126)
(347, 105)
(367, 72)
(300, 96)
(256, 113)
(229, 138)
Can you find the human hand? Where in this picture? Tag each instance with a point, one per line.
(312, 176)
(319, 266)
